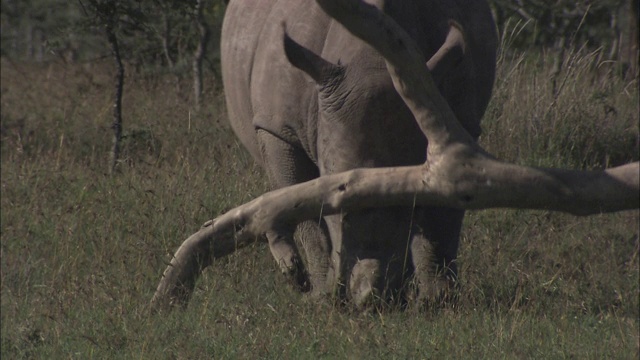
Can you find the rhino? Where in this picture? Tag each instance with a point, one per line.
(307, 99)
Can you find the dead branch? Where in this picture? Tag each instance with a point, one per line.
(454, 180)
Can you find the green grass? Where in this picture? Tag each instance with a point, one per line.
(82, 252)
(590, 121)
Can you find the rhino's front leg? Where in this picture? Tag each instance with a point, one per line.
(317, 247)
(286, 255)
(434, 249)
(287, 165)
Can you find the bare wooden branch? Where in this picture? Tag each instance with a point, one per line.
(454, 180)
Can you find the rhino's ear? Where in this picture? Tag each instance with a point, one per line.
(306, 60)
(450, 53)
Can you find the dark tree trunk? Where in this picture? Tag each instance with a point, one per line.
(166, 34)
(633, 50)
(614, 49)
(203, 29)
(117, 105)
(28, 40)
(558, 60)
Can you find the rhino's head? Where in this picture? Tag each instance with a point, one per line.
(363, 122)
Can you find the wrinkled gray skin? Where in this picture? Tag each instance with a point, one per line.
(332, 118)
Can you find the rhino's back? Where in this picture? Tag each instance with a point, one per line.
(262, 89)
(240, 32)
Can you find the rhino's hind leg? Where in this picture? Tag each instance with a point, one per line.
(287, 165)
(434, 249)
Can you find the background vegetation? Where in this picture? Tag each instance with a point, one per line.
(82, 251)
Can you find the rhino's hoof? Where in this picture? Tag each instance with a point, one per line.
(440, 291)
(363, 285)
(294, 271)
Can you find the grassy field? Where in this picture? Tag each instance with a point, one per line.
(82, 252)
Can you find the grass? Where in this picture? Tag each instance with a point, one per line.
(82, 252)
